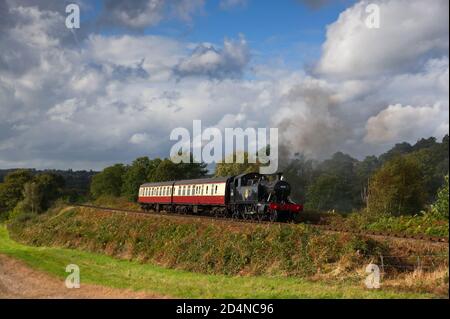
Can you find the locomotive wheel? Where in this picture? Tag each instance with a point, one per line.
(273, 215)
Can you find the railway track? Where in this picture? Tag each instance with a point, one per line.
(378, 234)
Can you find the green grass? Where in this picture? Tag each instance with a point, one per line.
(107, 271)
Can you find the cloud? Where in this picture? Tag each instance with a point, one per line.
(139, 14)
(392, 124)
(216, 63)
(410, 33)
(230, 4)
(116, 97)
(139, 138)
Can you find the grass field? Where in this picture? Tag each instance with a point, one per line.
(111, 272)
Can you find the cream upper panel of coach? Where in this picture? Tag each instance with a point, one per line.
(209, 189)
(155, 191)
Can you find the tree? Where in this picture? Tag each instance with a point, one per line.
(109, 181)
(398, 150)
(233, 168)
(192, 170)
(33, 195)
(329, 192)
(135, 175)
(439, 209)
(364, 170)
(11, 190)
(50, 187)
(300, 173)
(165, 171)
(397, 188)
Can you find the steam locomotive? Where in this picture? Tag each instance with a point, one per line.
(247, 196)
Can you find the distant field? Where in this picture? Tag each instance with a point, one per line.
(103, 270)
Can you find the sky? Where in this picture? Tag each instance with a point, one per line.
(115, 88)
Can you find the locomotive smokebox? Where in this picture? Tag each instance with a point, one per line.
(282, 190)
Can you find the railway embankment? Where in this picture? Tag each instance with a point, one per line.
(225, 247)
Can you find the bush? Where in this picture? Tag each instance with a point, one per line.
(20, 213)
(440, 208)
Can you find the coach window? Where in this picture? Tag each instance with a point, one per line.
(216, 189)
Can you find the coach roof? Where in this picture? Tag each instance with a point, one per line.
(203, 180)
(170, 183)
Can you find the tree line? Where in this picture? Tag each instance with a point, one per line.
(404, 180)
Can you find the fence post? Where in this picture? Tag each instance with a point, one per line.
(418, 264)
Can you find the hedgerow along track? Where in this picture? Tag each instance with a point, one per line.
(376, 234)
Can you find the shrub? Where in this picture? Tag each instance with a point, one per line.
(439, 209)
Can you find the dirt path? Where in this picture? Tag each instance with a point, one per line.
(17, 280)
